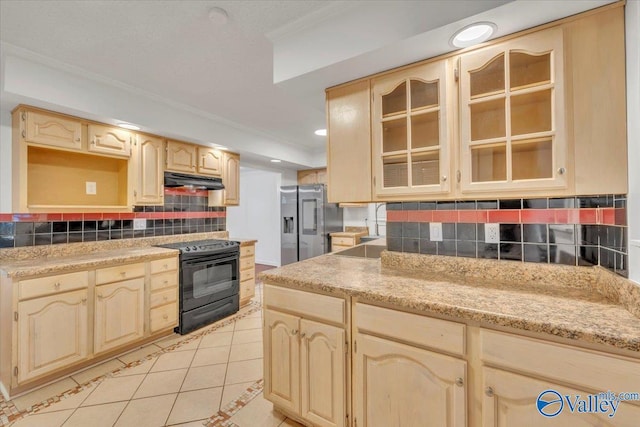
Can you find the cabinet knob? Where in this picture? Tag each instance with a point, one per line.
(84, 301)
(165, 298)
(294, 332)
(459, 382)
(166, 282)
(488, 391)
(302, 335)
(165, 266)
(57, 285)
(561, 171)
(123, 273)
(100, 296)
(77, 139)
(93, 142)
(165, 317)
(444, 178)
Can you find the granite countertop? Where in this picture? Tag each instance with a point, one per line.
(548, 299)
(24, 268)
(244, 242)
(52, 259)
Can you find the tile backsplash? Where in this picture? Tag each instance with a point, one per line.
(184, 212)
(589, 230)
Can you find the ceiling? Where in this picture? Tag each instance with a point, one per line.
(263, 73)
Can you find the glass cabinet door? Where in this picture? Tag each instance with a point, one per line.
(512, 115)
(410, 149)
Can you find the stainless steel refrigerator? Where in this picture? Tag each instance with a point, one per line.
(306, 221)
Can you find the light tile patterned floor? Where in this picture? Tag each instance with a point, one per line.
(211, 377)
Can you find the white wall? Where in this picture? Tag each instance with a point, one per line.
(632, 10)
(258, 216)
(366, 216)
(5, 161)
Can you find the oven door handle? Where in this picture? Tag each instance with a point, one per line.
(206, 259)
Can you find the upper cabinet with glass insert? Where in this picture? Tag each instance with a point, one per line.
(512, 127)
(410, 131)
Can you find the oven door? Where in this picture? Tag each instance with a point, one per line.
(207, 279)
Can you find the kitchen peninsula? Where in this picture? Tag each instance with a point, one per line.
(485, 338)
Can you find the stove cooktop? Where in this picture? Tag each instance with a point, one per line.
(204, 246)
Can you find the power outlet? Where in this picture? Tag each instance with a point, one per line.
(492, 233)
(435, 231)
(90, 187)
(139, 224)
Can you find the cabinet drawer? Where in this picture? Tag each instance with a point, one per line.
(247, 274)
(164, 297)
(247, 288)
(584, 368)
(164, 317)
(120, 272)
(165, 264)
(413, 328)
(247, 263)
(32, 288)
(306, 304)
(164, 280)
(247, 250)
(343, 241)
(335, 248)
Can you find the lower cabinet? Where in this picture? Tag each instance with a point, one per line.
(52, 333)
(119, 314)
(51, 324)
(247, 273)
(305, 362)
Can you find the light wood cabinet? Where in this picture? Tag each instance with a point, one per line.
(110, 140)
(52, 333)
(247, 273)
(181, 157)
(119, 314)
(54, 324)
(210, 161)
(513, 115)
(231, 179)
(305, 369)
(411, 131)
(349, 174)
(539, 113)
(51, 129)
(312, 176)
(147, 165)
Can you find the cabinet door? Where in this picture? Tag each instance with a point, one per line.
(181, 157)
(149, 189)
(119, 314)
(52, 130)
(110, 140)
(210, 162)
(282, 360)
(410, 131)
(512, 115)
(322, 373)
(231, 179)
(511, 400)
(306, 177)
(349, 143)
(400, 385)
(52, 333)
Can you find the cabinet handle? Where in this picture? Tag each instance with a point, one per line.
(24, 134)
(123, 273)
(459, 382)
(294, 332)
(302, 335)
(93, 141)
(166, 282)
(444, 178)
(202, 162)
(488, 391)
(78, 139)
(100, 296)
(57, 285)
(166, 298)
(84, 301)
(561, 171)
(165, 266)
(165, 317)
(458, 175)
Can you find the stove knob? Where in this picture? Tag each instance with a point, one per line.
(195, 248)
(187, 249)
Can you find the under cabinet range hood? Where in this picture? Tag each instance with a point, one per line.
(172, 179)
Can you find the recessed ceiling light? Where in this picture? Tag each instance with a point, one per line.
(129, 126)
(473, 34)
(321, 132)
(275, 161)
